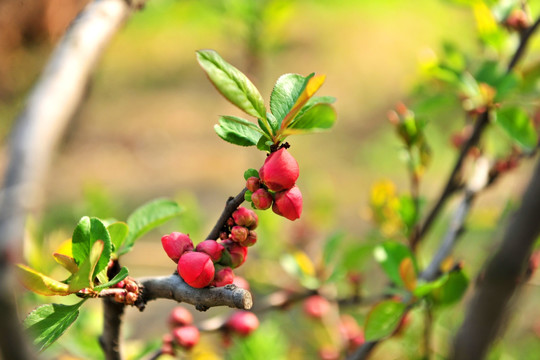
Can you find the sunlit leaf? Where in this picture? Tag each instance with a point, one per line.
(118, 232)
(232, 83)
(40, 283)
(317, 118)
(383, 319)
(87, 232)
(285, 93)
(452, 290)
(147, 217)
(48, 322)
(67, 262)
(311, 88)
(84, 278)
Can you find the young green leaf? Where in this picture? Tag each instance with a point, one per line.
(232, 83)
(87, 232)
(67, 262)
(250, 173)
(314, 83)
(238, 131)
(122, 274)
(147, 217)
(383, 319)
(118, 232)
(317, 118)
(40, 283)
(286, 92)
(517, 124)
(390, 254)
(452, 290)
(84, 278)
(264, 143)
(48, 322)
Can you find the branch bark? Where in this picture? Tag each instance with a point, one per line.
(231, 205)
(489, 306)
(111, 337)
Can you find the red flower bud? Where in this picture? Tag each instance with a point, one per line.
(167, 346)
(239, 233)
(253, 183)
(180, 316)
(186, 336)
(245, 217)
(212, 248)
(196, 268)
(176, 244)
(288, 203)
(262, 199)
(223, 277)
(350, 331)
(243, 322)
(280, 171)
(238, 253)
(316, 306)
(251, 239)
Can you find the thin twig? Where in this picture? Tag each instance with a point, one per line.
(231, 205)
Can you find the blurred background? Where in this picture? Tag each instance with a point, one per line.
(145, 130)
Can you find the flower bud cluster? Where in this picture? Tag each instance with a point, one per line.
(210, 263)
(275, 186)
(183, 334)
(129, 291)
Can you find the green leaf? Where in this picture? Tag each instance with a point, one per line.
(87, 232)
(115, 280)
(390, 254)
(237, 131)
(264, 144)
(452, 290)
(84, 278)
(425, 288)
(40, 283)
(48, 322)
(314, 101)
(232, 83)
(250, 173)
(317, 118)
(517, 124)
(383, 319)
(286, 92)
(247, 195)
(331, 247)
(147, 217)
(118, 232)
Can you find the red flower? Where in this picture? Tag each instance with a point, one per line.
(196, 268)
(243, 322)
(186, 336)
(280, 171)
(262, 199)
(288, 203)
(176, 244)
(212, 248)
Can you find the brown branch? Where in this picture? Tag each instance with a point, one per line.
(174, 288)
(488, 308)
(231, 205)
(111, 337)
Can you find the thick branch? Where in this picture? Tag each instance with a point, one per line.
(110, 339)
(174, 288)
(487, 309)
(231, 205)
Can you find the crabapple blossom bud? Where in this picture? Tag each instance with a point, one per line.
(131, 297)
(180, 316)
(243, 322)
(350, 331)
(245, 217)
(251, 239)
(186, 336)
(262, 199)
(196, 268)
(131, 286)
(120, 284)
(316, 306)
(120, 297)
(280, 171)
(253, 183)
(239, 233)
(230, 221)
(288, 203)
(176, 244)
(224, 276)
(237, 252)
(212, 248)
(167, 347)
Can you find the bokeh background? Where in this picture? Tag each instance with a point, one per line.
(145, 130)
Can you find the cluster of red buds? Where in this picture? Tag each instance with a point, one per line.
(211, 262)
(275, 185)
(183, 334)
(129, 291)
